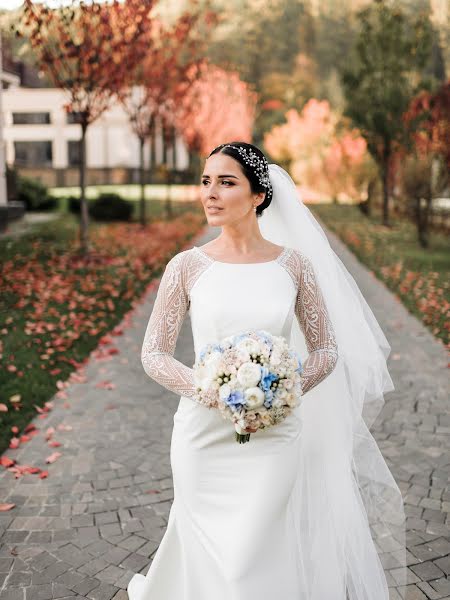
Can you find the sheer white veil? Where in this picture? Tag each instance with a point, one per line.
(344, 483)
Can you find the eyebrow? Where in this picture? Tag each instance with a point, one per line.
(234, 176)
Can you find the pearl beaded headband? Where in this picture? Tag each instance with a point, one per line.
(260, 165)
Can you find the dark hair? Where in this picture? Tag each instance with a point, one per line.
(248, 170)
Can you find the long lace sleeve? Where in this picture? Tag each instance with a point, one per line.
(314, 320)
(169, 310)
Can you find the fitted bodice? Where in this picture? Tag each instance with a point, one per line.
(229, 297)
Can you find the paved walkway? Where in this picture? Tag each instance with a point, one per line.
(27, 223)
(100, 515)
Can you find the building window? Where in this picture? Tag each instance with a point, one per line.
(73, 117)
(31, 118)
(73, 152)
(33, 154)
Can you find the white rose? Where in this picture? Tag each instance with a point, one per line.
(248, 345)
(213, 360)
(277, 400)
(254, 397)
(249, 374)
(275, 358)
(224, 391)
(203, 377)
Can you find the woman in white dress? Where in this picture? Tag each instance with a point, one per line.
(307, 510)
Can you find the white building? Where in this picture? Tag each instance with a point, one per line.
(42, 142)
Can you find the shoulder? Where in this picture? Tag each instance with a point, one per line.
(185, 267)
(178, 260)
(299, 260)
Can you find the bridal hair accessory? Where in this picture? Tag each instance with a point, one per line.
(259, 164)
(348, 509)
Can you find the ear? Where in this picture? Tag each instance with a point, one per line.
(259, 197)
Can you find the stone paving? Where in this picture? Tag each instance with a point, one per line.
(100, 515)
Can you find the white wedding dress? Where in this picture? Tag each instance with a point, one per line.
(234, 530)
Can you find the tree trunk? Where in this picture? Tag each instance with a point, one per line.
(142, 215)
(423, 210)
(385, 176)
(152, 143)
(174, 139)
(84, 214)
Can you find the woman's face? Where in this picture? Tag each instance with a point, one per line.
(224, 185)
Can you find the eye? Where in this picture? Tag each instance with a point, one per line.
(223, 181)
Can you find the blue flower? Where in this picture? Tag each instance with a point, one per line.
(268, 398)
(235, 400)
(266, 378)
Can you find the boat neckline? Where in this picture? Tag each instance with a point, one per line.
(266, 262)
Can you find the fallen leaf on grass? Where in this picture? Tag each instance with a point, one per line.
(14, 443)
(3, 407)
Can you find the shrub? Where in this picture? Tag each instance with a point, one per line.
(34, 194)
(73, 204)
(110, 207)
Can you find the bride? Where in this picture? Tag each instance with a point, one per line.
(308, 509)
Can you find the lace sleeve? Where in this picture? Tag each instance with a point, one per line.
(169, 310)
(316, 325)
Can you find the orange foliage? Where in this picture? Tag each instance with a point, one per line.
(217, 108)
(317, 153)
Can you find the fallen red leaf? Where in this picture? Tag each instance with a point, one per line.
(53, 457)
(107, 385)
(29, 428)
(14, 443)
(43, 474)
(4, 507)
(54, 444)
(5, 461)
(3, 407)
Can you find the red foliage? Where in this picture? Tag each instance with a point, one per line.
(432, 111)
(87, 48)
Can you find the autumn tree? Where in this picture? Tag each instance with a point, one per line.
(426, 167)
(87, 49)
(169, 67)
(320, 150)
(217, 108)
(384, 73)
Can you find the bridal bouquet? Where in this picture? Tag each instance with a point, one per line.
(256, 375)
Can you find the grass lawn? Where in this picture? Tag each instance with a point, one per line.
(132, 192)
(56, 306)
(419, 277)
